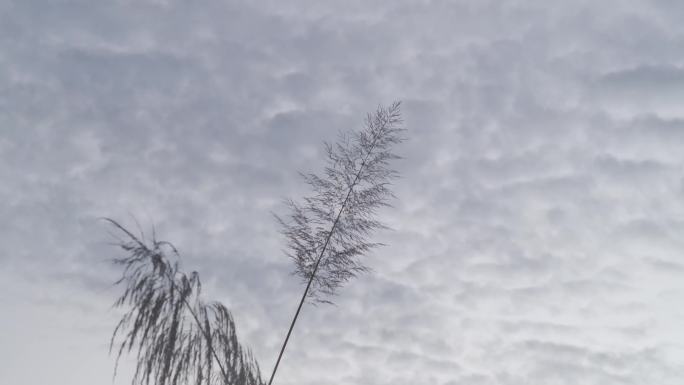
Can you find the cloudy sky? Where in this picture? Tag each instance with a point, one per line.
(539, 231)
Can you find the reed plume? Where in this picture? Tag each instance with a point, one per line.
(179, 338)
(328, 232)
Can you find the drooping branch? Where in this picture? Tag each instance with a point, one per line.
(177, 336)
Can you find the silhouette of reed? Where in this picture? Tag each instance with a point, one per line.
(328, 232)
(180, 339)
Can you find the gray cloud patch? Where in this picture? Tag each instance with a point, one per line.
(537, 235)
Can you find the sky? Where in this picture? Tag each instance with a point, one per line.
(538, 231)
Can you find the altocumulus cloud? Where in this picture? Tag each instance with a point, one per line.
(539, 233)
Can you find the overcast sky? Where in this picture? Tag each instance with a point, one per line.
(539, 231)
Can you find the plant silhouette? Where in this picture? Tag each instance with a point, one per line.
(180, 339)
(328, 233)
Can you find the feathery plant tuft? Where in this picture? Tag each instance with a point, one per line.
(179, 338)
(328, 232)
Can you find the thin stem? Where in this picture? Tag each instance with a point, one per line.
(320, 256)
(204, 332)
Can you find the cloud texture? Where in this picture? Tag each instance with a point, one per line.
(538, 236)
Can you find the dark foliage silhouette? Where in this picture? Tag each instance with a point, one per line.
(328, 232)
(179, 339)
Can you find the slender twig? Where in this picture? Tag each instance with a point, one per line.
(205, 333)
